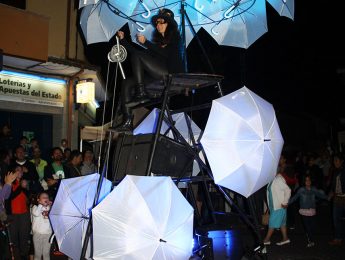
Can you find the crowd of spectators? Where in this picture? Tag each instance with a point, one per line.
(29, 185)
(27, 189)
(303, 182)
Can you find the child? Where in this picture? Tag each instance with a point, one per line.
(41, 228)
(307, 199)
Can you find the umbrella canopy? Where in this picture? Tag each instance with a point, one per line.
(99, 22)
(83, 3)
(236, 23)
(284, 7)
(100, 19)
(149, 125)
(143, 218)
(242, 141)
(69, 215)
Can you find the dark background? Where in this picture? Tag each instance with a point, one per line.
(295, 66)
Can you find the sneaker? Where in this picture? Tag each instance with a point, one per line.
(310, 244)
(267, 243)
(283, 242)
(335, 242)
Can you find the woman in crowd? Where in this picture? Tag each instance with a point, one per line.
(307, 196)
(18, 214)
(278, 195)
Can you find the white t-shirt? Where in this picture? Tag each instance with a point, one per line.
(40, 224)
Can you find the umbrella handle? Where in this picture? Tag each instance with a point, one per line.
(214, 31)
(147, 10)
(141, 28)
(198, 7)
(227, 14)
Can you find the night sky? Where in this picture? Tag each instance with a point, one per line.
(293, 66)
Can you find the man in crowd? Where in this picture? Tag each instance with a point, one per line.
(73, 164)
(40, 164)
(88, 166)
(29, 170)
(55, 171)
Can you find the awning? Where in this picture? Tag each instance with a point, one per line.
(59, 68)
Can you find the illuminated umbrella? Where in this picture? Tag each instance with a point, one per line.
(69, 215)
(83, 3)
(230, 22)
(242, 141)
(238, 23)
(284, 7)
(99, 23)
(101, 19)
(143, 218)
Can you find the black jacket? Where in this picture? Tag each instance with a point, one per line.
(170, 54)
(339, 172)
(48, 174)
(31, 176)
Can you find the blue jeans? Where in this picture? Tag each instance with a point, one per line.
(338, 217)
(309, 227)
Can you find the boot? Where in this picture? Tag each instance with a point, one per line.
(126, 126)
(140, 97)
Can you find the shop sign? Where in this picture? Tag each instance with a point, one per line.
(25, 88)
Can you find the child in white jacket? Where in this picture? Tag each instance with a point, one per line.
(41, 228)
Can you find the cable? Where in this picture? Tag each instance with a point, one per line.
(103, 116)
(114, 92)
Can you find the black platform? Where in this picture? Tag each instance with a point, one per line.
(132, 153)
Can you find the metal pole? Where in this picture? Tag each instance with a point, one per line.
(99, 185)
(167, 83)
(183, 32)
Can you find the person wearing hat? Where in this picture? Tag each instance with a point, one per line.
(161, 57)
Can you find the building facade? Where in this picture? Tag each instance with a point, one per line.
(42, 61)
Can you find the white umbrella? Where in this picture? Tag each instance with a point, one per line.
(69, 215)
(242, 141)
(143, 218)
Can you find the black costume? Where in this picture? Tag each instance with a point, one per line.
(158, 60)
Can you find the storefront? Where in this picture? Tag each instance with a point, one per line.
(43, 60)
(34, 107)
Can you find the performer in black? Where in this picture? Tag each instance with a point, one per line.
(160, 58)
